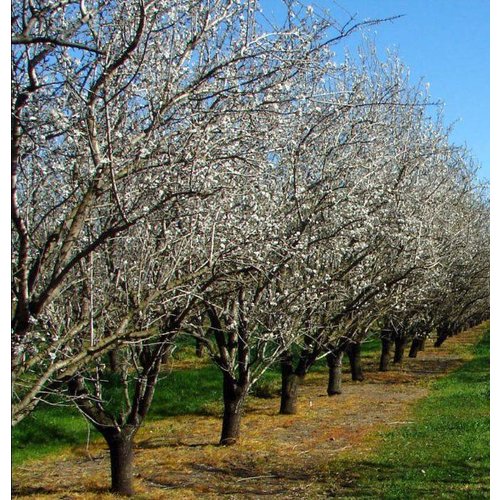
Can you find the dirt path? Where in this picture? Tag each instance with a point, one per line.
(278, 456)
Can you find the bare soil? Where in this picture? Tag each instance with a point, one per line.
(278, 456)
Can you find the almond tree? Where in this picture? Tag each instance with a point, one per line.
(132, 121)
(172, 159)
(418, 176)
(121, 111)
(147, 264)
(375, 115)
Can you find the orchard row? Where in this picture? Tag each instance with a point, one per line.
(184, 167)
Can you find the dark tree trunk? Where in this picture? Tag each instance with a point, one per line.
(440, 340)
(443, 334)
(354, 353)
(334, 360)
(200, 348)
(114, 360)
(421, 344)
(289, 394)
(289, 387)
(414, 348)
(120, 441)
(120, 437)
(231, 421)
(399, 349)
(385, 356)
(234, 397)
(121, 455)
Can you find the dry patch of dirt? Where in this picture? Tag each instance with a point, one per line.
(278, 456)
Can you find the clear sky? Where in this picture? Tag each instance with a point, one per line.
(445, 42)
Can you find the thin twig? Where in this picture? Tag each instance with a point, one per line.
(254, 477)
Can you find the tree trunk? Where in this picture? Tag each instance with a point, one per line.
(385, 356)
(399, 349)
(234, 397)
(289, 393)
(442, 336)
(334, 361)
(421, 344)
(114, 360)
(414, 348)
(354, 353)
(199, 348)
(440, 340)
(121, 455)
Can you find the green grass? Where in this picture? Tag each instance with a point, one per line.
(371, 345)
(50, 428)
(444, 453)
(47, 430)
(198, 391)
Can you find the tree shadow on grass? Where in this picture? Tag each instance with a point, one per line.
(373, 479)
(39, 491)
(151, 444)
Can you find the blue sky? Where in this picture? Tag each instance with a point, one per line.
(445, 42)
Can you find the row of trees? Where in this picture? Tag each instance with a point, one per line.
(184, 167)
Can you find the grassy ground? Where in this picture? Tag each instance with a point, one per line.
(442, 452)
(51, 428)
(193, 387)
(333, 446)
